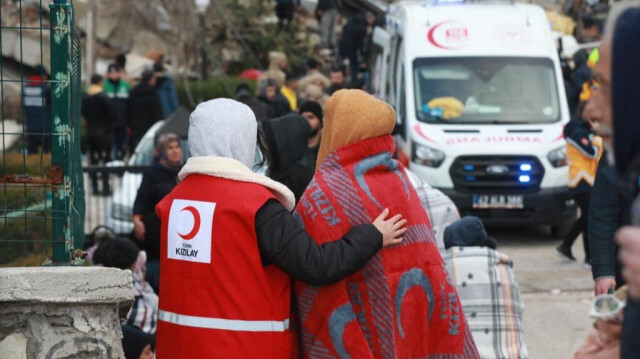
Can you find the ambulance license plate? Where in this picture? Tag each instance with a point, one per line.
(498, 202)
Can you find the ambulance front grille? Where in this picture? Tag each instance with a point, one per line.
(497, 174)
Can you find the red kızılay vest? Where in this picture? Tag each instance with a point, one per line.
(218, 301)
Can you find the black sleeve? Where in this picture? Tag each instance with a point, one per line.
(141, 204)
(630, 345)
(284, 243)
(157, 109)
(604, 221)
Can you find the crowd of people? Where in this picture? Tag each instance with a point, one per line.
(118, 110)
(296, 233)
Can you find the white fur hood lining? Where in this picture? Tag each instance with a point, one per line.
(229, 168)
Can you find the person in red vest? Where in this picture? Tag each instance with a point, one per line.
(230, 246)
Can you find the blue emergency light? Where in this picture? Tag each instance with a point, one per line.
(471, 178)
(469, 168)
(524, 179)
(525, 167)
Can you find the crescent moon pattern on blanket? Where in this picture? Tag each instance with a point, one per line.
(337, 323)
(413, 278)
(369, 163)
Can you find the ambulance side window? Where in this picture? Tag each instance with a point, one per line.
(376, 64)
(396, 45)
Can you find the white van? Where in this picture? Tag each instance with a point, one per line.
(481, 106)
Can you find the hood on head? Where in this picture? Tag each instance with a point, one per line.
(351, 116)
(287, 139)
(625, 70)
(223, 128)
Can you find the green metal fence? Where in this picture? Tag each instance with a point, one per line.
(41, 189)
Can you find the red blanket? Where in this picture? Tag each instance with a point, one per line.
(402, 304)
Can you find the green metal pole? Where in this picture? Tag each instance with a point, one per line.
(60, 22)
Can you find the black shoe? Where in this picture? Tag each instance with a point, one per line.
(565, 252)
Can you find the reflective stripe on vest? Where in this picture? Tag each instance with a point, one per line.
(224, 324)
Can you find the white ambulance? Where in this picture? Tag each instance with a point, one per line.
(481, 106)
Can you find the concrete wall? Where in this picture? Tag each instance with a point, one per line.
(63, 312)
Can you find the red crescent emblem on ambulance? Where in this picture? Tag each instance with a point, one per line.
(454, 37)
(196, 223)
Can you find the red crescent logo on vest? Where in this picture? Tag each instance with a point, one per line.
(196, 223)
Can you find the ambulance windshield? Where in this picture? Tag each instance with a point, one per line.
(486, 90)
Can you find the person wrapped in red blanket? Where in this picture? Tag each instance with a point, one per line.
(402, 304)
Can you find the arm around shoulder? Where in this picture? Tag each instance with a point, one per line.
(284, 243)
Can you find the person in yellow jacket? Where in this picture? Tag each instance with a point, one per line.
(584, 150)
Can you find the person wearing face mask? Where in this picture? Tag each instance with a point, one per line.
(157, 181)
(230, 246)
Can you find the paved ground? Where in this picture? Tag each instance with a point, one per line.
(557, 292)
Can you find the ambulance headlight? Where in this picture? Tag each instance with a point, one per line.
(426, 156)
(558, 157)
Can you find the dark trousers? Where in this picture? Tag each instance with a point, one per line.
(581, 225)
(99, 154)
(153, 274)
(34, 142)
(120, 142)
(354, 63)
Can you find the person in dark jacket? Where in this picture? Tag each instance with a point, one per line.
(145, 108)
(284, 11)
(326, 12)
(157, 181)
(604, 220)
(584, 150)
(312, 111)
(259, 108)
(99, 115)
(36, 101)
(354, 33)
(271, 96)
(118, 90)
(582, 73)
(166, 90)
(286, 139)
(618, 74)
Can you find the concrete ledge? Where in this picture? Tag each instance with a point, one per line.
(63, 312)
(65, 285)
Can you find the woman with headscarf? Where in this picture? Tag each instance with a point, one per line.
(230, 247)
(157, 181)
(402, 303)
